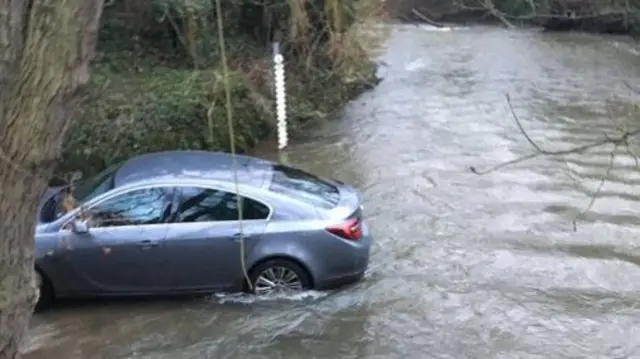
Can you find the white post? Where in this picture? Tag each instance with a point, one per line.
(281, 101)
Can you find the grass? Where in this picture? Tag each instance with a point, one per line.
(144, 96)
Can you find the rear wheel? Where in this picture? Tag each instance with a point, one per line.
(44, 292)
(279, 276)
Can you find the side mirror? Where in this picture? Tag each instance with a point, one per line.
(80, 226)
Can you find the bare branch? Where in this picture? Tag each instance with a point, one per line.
(504, 164)
(595, 195)
(426, 19)
(631, 87)
(632, 154)
(491, 8)
(532, 5)
(517, 119)
(622, 140)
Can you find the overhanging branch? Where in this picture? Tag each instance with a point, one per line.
(622, 140)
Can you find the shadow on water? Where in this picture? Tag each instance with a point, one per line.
(463, 266)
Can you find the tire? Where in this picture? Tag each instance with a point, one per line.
(280, 266)
(45, 293)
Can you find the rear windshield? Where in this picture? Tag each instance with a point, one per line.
(304, 186)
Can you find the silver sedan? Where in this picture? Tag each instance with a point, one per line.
(169, 223)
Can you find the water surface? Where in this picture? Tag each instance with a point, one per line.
(464, 266)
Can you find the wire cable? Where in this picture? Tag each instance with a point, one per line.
(232, 140)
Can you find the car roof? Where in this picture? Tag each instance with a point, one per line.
(202, 165)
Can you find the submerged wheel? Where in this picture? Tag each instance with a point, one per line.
(44, 292)
(279, 276)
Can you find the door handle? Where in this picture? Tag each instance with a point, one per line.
(239, 236)
(147, 244)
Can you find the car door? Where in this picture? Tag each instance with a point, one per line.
(203, 242)
(122, 251)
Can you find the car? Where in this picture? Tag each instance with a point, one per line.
(168, 223)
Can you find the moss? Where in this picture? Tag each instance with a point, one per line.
(148, 94)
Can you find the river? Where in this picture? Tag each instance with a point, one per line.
(464, 266)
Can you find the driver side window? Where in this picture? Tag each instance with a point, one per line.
(211, 205)
(137, 207)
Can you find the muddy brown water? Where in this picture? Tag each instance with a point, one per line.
(463, 266)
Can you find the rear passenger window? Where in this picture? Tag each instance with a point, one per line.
(210, 205)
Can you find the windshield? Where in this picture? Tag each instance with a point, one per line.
(304, 186)
(83, 191)
(96, 185)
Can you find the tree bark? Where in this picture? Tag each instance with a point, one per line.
(45, 50)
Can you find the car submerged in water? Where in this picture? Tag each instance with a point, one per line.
(168, 223)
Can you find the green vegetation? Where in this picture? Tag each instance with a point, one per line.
(157, 81)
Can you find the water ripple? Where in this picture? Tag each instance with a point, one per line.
(463, 266)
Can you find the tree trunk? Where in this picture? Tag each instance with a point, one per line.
(45, 50)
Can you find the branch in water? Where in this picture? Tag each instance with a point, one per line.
(594, 197)
(489, 7)
(426, 19)
(622, 140)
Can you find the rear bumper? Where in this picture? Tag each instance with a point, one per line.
(357, 271)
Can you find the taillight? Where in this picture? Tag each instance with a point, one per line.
(350, 230)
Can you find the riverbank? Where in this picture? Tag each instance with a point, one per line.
(157, 81)
(461, 265)
(576, 15)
